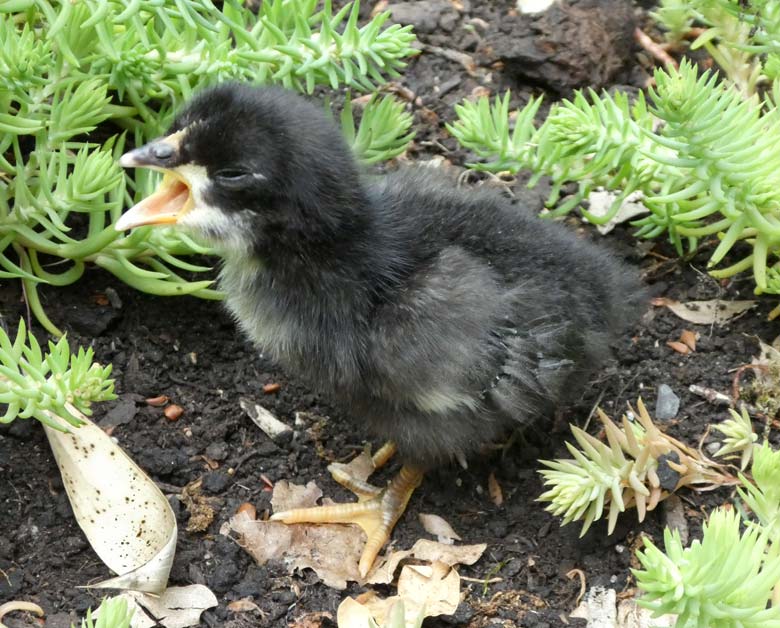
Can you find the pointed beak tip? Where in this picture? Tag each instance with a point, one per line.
(128, 160)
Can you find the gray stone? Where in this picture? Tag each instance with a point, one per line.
(667, 404)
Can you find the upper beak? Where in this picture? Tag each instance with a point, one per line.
(173, 197)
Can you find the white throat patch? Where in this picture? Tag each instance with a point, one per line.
(228, 232)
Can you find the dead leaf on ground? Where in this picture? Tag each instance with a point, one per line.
(600, 202)
(177, 607)
(359, 468)
(438, 527)
(714, 312)
(384, 571)
(431, 551)
(601, 608)
(425, 590)
(494, 490)
(287, 495)
(331, 550)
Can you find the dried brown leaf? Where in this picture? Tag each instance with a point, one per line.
(437, 526)
(425, 590)
(288, 495)
(359, 468)
(712, 312)
(432, 551)
(384, 570)
(331, 550)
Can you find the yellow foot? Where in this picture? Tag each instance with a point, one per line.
(376, 511)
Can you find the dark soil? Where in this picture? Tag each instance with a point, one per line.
(190, 351)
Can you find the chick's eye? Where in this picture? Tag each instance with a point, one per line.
(236, 178)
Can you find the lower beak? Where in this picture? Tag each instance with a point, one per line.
(173, 197)
(166, 206)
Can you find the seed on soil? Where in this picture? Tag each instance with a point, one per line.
(269, 389)
(248, 509)
(679, 347)
(157, 402)
(173, 412)
(494, 489)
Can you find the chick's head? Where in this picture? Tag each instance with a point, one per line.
(242, 165)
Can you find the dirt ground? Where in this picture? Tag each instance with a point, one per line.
(190, 351)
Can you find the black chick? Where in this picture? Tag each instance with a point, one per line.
(439, 316)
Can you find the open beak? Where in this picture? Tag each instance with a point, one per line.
(173, 197)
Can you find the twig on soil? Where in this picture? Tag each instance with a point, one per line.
(466, 60)
(583, 584)
(713, 396)
(482, 580)
(655, 49)
(28, 607)
(592, 412)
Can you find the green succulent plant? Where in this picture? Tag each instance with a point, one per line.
(112, 613)
(80, 80)
(701, 154)
(36, 384)
(743, 38)
(722, 581)
(739, 437)
(624, 472)
(762, 495)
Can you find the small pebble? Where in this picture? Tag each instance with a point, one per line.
(667, 404)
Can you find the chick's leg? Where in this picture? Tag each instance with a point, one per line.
(376, 511)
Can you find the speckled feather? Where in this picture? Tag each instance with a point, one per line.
(437, 315)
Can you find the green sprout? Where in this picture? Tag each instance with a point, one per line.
(621, 473)
(739, 436)
(112, 613)
(762, 495)
(723, 581)
(702, 155)
(43, 386)
(81, 80)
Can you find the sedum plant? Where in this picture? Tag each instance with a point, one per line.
(34, 384)
(729, 577)
(637, 467)
(739, 437)
(722, 581)
(743, 38)
(79, 80)
(112, 613)
(702, 156)
(762, 495)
